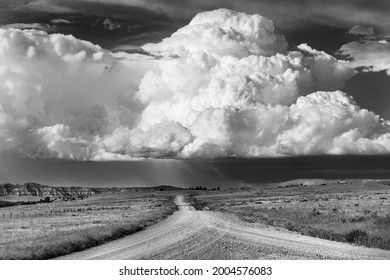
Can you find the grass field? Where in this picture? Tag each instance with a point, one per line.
(60, 228)
(353, 211)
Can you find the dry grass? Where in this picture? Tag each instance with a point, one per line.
(355, 212)
(63, 227)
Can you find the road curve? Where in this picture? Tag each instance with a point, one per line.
(191, 234)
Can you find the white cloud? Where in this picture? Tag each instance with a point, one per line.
(55, 81)
(111, 25)
(37, 26)
(320, 123)
(370, 55)
(223, 32)
(321, 119)
(60, 21)
(361, 30)
(225, 85)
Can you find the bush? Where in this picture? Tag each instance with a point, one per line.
(357, 236)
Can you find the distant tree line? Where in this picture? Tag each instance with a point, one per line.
(201, 188)
(9, 203)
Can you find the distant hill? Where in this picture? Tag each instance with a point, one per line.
(166, 188)
(303, 182)
(39, 190)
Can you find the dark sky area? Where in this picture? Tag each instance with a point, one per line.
(190, 173)
(321, 24)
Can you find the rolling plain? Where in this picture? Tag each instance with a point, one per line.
(299, 219)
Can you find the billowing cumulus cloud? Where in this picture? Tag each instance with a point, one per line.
(57, 93)
(224, 85)
(321, 122)
(223, 32)
(370, 55)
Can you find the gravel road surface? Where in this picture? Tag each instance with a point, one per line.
(191, 234)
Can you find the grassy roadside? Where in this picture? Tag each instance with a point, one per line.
(354, 212)
(80, 225)
(352, 233)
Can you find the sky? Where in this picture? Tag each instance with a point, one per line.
(134, 85)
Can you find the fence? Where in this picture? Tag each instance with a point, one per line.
(11, 215)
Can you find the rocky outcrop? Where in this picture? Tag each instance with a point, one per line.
(34, 189)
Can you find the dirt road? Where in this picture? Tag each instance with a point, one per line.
(191, 234)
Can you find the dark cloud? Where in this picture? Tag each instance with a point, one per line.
(87, 20)
(190, 173)
(296, 19)
(285, 13)
(109, 174)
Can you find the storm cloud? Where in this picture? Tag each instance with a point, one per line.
(285, 13)
(225, 85)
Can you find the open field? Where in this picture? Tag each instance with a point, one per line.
(353, 211)
(240, 222)
(53, 229)
(192, 234)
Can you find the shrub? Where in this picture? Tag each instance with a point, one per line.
(357, 236)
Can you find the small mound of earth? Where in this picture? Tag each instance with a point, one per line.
(303, 182)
